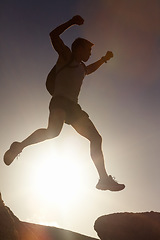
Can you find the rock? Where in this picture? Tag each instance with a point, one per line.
(129, 226)
(7, 224)
(11, 228)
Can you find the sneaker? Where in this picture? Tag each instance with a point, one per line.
(12, 153)
(109, 184)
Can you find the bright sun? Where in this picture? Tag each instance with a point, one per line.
(58, 177)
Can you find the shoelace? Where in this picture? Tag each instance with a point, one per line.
(18, 156)
(113, 179)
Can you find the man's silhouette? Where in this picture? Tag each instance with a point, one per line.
(64, 107)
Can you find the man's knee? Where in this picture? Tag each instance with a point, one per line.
(52, 133)
(96, 138)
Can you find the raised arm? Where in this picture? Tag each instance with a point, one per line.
(94, 66)
(57, 42)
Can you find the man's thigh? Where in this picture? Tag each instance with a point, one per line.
(56, 120)
(85, 127)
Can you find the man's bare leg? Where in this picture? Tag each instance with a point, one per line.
(85, 127)
(55, 124)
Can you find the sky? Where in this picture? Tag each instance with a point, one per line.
(53, 182)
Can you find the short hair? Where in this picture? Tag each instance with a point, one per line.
(80, 42)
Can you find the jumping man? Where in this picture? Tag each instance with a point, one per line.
(64, 107)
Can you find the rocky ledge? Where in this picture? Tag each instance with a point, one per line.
(129, 226)
(11, 228)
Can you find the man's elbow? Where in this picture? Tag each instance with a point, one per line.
(53, 36)
(88, 70)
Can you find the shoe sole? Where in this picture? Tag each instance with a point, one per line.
(113, 189)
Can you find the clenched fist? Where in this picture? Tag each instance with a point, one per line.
(108, 55)
(77, 20)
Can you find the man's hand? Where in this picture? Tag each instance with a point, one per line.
(77, 20)
(108, 55)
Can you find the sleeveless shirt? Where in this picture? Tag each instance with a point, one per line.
(69, 81)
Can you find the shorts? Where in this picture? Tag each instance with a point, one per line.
(73, 110)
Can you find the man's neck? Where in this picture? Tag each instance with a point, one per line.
(77, 58)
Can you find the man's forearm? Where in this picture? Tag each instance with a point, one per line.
(94, 66)
(60, 29)
(78, 20)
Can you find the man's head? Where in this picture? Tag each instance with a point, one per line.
(82, 48)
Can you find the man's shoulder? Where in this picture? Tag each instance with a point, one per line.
(64, 57)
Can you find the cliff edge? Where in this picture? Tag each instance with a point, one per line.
(129, 226)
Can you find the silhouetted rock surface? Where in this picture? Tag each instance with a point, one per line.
(129, 226)
(118, 226)
(11, 228)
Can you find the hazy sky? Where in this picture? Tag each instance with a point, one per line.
(54, 182)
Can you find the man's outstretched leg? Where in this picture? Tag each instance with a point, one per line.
(85, 127)
(55, 124)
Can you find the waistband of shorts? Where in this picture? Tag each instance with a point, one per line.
(65, 98)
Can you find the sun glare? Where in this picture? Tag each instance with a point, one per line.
(58, 179)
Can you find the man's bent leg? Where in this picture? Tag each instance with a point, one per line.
(55, 124)
(85, 127)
